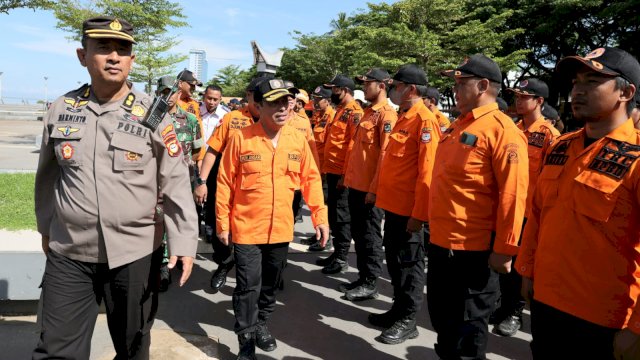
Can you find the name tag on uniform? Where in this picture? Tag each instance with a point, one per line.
(468, 139)
(250, 157)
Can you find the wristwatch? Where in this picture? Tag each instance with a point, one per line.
(201, 181)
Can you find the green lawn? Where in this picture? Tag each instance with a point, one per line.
(16, 201)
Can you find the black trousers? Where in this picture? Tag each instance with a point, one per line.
(71, 295)
(405, 261)
(366, 230)
(339, 217)
(222, 254)
(558, 335)
(511, 301)
(258, 273)
(461, 295)
(297, 204)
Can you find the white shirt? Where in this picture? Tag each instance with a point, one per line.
(210, 121)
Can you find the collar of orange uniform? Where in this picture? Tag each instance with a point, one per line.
(413, 110)
(246, 113)
(535, 126)
(379, 105)
(622, 132)
(483, 110)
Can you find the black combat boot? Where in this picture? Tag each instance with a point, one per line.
(264, 339)
(400, 331)
(247, 350)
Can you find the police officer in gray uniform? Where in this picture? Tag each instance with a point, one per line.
(100, 171)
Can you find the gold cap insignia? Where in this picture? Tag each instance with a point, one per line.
(115, 25)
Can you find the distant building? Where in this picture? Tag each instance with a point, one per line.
(198, 64)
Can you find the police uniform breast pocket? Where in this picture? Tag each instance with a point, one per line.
(293, 171)
(67, 143)
(595, 195)
(130, 152)
(250, 171)
(367, 132)
(397, 145)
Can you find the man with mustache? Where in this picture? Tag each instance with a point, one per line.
(102, 167)
(581, 245)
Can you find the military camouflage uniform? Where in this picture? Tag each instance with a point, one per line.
(190, 137)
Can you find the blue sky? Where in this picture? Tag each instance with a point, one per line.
(33, 48)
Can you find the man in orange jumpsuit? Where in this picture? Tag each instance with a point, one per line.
(581, 244)
(477, 205)
(403, 193)
(230, 123)
(260, 169)
(530, 96)
(337, 139)
(361, 177)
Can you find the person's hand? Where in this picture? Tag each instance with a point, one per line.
(414, 225)
(224, 237)
(626, 345)
(322, 234)
(45, 244)
(200, 194)
(527, 289)
(500, 263)
(370, 198)
(340, 184)
(187, 265)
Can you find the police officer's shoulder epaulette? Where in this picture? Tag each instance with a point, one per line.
(136, 105)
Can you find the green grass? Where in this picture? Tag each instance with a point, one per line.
(16, 201)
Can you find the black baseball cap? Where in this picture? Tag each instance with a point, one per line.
(431, 93)
(108, 27)
(255, 81)
(502, 104)
(605, 60)
(271, 90)
(411, 74)
(165, 82)
(478, 65)
(374, 74)
(549, 112)
(532, 86)
(187, 76)
(292, 88)
(321, 92)
(342, 81)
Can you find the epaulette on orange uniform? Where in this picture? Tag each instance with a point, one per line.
(321, 123)
(250, 201)
(370, 139)
(403, 187)
(539, 136)
(302, 124)
(338, 136)
(230, 123)
(480, 183)
(581, 244)
(443, 121)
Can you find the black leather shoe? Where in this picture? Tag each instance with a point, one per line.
(362, 292)
(337, 266)
(165, 278)
(264, 339)
(344, 287)
(247, 350)
(316, 246)
(219, 278)
(325, 261)
(384, 320)
(309, 241)
(400, 331)
(509, 326)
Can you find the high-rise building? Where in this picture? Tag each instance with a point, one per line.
(198, 64)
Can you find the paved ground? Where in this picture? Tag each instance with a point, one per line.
(311, 321)
(18, 151)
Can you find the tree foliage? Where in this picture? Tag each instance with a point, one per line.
(232, 80)
(150, 18)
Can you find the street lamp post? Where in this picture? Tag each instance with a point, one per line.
(46, 93)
